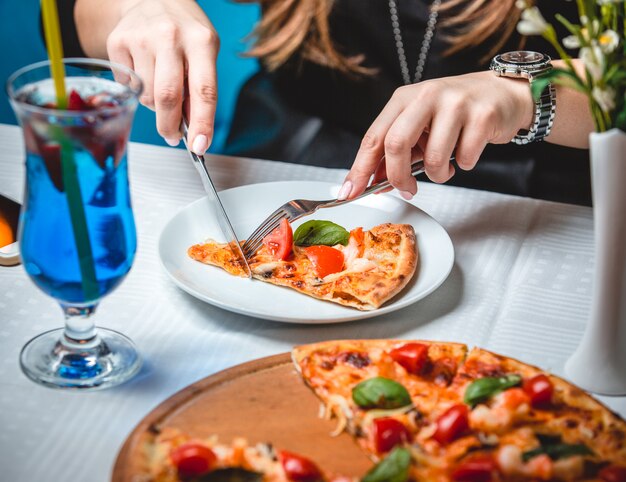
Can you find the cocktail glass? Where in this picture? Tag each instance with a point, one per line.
(77, 233)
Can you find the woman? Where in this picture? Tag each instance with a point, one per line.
(331, 67)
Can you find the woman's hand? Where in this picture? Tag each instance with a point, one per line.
(435, 118)
(173, 47)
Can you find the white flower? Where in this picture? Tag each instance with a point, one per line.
(595, 27)
(571, 42)
(594, 61)
(521, 4)
(532, 22)
(609, 2)
(605, 97)
(608, 40)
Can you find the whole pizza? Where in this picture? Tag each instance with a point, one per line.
(423, 411)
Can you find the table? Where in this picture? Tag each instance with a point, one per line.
(520, 285)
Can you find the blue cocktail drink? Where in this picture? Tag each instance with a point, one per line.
(77, 232)
(47, 241)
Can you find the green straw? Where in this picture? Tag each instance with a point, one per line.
(69, 170)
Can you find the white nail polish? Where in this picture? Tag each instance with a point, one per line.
(345, 191)
(172, 142)
(406, 195)
(200, 144)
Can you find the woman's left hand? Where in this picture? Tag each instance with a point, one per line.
(435, 118)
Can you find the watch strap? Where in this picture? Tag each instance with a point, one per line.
(545, 111)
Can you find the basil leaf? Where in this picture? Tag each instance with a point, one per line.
(380, 392)
(316, 232)
(393, 468)
(482, 389)
(557, 451)
(236, 474)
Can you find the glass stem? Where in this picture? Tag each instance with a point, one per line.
(79, 325)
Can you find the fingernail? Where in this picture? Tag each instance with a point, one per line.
(406, 195)
(345, 191)
(200, 144)
(172, 142)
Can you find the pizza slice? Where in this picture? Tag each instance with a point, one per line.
(359, 269)
(173, 456)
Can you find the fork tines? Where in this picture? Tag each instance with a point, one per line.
(256, 238)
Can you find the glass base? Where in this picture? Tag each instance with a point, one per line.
(106, 360)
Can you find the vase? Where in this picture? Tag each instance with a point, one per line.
(599, 363)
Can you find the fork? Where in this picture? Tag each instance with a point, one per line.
(298, 208)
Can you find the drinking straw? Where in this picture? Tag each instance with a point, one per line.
(55, 49)
(69, 170)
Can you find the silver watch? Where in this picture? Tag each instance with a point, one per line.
(530, 65)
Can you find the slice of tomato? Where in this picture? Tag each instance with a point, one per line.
(192, 459)
(389, 432)
(326, 260)
(540, 389)
(478, 468)
(452, 423)
(412, 356)
(280, 241)
(613, 473)
(298, 468)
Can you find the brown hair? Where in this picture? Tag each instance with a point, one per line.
(290, 26)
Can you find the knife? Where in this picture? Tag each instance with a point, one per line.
(214, 200)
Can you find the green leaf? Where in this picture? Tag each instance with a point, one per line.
(557, 451)
(558, 76)
(538, 86)
(380, 392)
(236, 474)
(573, 29)
(316, 232)
(393, 468)
(484, 388)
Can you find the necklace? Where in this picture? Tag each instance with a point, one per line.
(426, 41)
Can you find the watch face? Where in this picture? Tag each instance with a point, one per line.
(523, 57)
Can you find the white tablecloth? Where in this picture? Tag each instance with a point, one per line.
(521, 286)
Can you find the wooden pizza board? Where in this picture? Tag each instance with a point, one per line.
(264, 400)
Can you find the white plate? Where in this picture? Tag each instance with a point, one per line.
(248, 205)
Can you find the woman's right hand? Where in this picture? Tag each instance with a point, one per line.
(172, 46)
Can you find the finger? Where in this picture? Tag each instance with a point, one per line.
(118, 53)
(371, 151)
(422, 142)
(202, 83)
(470, 146)
(381, 172)
(168, 93)
(442, 138)
(144, 67)
(403, 136)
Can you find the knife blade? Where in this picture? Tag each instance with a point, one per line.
(216, 203)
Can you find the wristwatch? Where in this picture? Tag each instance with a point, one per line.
(530, 65)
